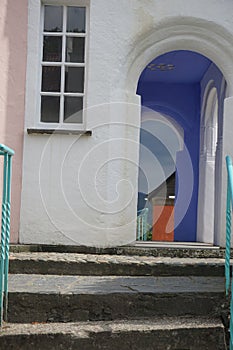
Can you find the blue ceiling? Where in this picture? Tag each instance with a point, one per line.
(176, 67)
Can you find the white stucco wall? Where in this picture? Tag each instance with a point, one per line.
(83, 190)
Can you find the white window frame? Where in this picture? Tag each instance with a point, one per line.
(34, 65)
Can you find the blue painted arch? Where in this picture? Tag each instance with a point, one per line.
(171, 84)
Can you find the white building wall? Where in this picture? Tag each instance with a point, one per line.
(83, 189)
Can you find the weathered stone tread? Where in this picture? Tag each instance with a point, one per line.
(94, 264)
(44, 284)
(76, 257)
(152, 334)
(55, 298)
(80, 328)
(146, 249)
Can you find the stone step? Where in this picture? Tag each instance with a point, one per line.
(119, 265)
(170, 249)
(43, 298)
(151, 334)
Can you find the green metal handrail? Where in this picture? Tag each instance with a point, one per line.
(229, 281)
(142, 224)
(7, 153)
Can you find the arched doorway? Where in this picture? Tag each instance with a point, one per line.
(174, 85)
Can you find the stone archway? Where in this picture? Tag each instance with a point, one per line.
(208, 39)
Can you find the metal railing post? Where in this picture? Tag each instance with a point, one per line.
(7, 240)
(142, 224)
(228, 227)
(7, 153)
(229, 281)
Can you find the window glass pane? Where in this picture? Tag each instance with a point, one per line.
(50, 106)
(75, 48)
(52, 49)
(52, 18)
(51, 79)
(73, 109)
(76, 19)
(74, 79)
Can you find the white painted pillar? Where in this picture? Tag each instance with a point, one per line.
(206, 202)
(207, 168)
(227, 149)
(218, 188)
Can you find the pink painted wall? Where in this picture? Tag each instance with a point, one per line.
(13, 50)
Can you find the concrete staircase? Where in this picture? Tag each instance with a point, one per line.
(116, 300)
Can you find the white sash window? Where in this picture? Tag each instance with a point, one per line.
(63, 58)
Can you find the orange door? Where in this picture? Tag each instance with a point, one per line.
(162, 215)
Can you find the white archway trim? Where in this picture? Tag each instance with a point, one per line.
(209, 126)
(179, 33)
(207, 106)
(208, 143)
(210, 86)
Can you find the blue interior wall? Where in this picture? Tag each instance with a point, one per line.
(181, 101)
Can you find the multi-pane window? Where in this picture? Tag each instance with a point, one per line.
(63, 64)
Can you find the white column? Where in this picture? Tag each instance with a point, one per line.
(227, 149)
(206, 199)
